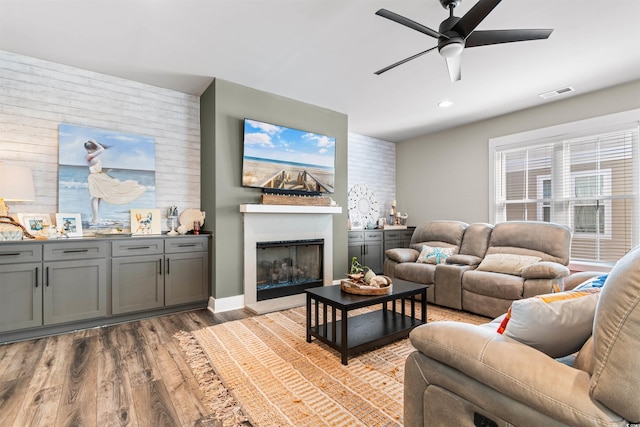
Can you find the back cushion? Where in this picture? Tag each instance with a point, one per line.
(444, 234)
(551, 242)
(616, 340)
(476, 239)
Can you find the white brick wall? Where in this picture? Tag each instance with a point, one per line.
(372, 162)
(36, 96)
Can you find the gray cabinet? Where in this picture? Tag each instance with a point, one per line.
(398, 238)
(186, 271)
(154, 273)
(137, 279)
(59, 285)
(75, 281)
(20, 286)
(367, 246)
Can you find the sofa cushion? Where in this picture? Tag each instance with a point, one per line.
(416, 272)
(557, 324)
(431, 255)
(507, 263)
(494, 285)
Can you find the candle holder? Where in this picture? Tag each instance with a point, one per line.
(172, 216)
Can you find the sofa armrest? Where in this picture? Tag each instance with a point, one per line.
(464, 259)
(513, 369)
(578, 278)
(545, 270)
(402, 254)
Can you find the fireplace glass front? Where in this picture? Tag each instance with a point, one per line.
(288, 267)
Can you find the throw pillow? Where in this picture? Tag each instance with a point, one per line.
(595, 282)
(557, 324)
(507, 263)
(430, 255)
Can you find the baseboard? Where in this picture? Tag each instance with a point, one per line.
(218, 305)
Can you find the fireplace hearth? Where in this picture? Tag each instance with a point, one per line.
(288, 267)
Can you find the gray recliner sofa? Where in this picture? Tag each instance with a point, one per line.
(474, 278)
(470, 375)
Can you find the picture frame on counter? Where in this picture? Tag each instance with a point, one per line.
(35, 223)
(146, 221)
(69, 224)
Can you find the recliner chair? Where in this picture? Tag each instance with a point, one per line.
(468, 375)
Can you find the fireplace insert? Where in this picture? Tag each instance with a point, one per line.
(288, 267)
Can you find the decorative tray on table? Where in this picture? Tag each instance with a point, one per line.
(354, 285)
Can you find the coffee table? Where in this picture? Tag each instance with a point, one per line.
(355, 334)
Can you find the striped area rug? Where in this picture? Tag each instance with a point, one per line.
(278, 379)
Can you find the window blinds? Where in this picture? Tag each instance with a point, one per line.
(588, 182)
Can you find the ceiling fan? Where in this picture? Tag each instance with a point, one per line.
(457, 33)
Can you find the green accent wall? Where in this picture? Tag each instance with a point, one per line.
(223, 107)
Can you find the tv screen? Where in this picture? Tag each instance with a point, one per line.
(285, 160)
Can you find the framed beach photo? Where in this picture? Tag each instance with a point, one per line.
(145, 221)
(35, 223)
(69, 224)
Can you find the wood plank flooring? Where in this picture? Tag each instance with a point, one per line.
(131, 374)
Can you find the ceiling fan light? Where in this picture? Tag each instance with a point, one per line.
(450, 50)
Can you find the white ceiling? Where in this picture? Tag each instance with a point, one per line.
(324, 52)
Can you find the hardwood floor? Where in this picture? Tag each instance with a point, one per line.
(131, 374)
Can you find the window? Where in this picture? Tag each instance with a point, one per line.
(584, 175)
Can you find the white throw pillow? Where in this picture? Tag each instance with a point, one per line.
(431, 255)
(557, 324)
(507, 263)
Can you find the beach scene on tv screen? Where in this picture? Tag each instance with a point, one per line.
(279, 157)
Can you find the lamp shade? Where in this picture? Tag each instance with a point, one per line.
(16, 183)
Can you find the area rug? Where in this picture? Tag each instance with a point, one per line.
(260, 371)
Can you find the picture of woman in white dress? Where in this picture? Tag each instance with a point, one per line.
(104, 187)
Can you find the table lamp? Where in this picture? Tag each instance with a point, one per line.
(16, 185)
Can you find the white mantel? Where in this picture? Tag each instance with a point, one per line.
(265, 223)
(290, 209)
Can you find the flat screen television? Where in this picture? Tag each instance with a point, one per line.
(283, 160)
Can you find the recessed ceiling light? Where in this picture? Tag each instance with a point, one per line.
(445, 104)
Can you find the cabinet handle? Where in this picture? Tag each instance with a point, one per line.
(11, 254)
(47, 275)
(168, 265)
(36, 277)
(190, 245)
(160, 261)
(71, 251)
(132, 248)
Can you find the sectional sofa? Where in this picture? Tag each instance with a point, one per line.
(482, 268)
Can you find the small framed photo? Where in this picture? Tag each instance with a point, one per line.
(69, 224)
(35, 223)
(146, 221)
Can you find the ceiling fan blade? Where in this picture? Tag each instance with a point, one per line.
(409, 23)
(454, 65)
(417, 55)
(474, 16)
(483, 38)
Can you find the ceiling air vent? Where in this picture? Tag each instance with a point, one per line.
(557, 92)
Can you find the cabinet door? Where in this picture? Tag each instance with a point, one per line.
(21, 290)
(373, 255)
(137, 283)
(186, 278)
(74, 290)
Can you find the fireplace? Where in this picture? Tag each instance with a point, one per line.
(284, 223)
(288, 267)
